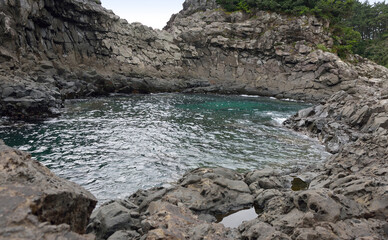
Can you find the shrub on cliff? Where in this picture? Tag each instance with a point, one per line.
(334, 10)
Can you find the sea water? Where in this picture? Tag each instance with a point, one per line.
(116, 145)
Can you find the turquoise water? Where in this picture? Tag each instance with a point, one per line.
(114, 146)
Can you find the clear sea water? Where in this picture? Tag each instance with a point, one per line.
(114, 146)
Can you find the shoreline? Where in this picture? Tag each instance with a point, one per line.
(268, 189)
(332, 199)
(286, 136)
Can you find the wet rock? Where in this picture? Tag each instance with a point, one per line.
(298, 184)
(24, 99)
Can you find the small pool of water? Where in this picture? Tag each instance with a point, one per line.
(235, 219)
(114, 146)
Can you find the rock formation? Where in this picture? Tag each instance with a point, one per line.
(54, 50)
(36, 204)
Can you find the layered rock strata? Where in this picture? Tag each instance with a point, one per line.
(55, 50)
(36, 204)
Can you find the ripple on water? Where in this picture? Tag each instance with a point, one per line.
(114, 146)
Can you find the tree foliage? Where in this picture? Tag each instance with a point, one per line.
(357, 27)
(331, 9)
(371, 21)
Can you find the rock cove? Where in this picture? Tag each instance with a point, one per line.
(55, 50)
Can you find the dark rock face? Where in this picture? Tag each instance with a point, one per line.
(55, 50)
(36, 204)
(27, 100)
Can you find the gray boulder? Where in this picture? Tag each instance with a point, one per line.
(36, 204)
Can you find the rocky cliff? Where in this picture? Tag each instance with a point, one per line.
(55, 50)
(264, 53)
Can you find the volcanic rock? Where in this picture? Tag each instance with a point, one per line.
(36, 204)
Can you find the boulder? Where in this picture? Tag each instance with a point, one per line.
(187, 209)
(116, 217)
(212, 191)
(36, 204)
(169, 221)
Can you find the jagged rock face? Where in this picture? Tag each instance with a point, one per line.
(67, 49)
(79, 31)
(264, 53)
(184, 211)
(36, 204)
(355, 127)
(53, 50)
(335, 205)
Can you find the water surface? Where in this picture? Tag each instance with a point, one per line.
(114, 146)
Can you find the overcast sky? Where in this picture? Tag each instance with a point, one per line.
(153, 13)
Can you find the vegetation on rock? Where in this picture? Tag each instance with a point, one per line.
(357, 27)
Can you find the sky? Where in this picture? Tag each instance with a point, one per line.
(153, 13)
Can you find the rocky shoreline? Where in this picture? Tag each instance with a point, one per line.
(344, 198)
(46, 56)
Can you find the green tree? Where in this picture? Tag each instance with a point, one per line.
(345, 40)
(243, 6)
(372, 23)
